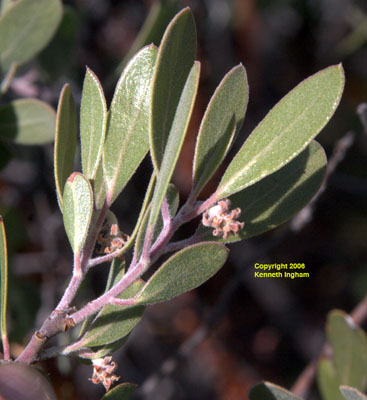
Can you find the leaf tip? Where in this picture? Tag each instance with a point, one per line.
(73, 176)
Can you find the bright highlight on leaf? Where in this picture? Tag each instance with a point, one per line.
(350, 393)
(269, 391)
(78, 209)
(3, 283)
(287, 130)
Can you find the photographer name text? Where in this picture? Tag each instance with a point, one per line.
(291, 270)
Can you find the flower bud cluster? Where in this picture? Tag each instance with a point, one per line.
(103, 369)
(223, 220)
(111, 239)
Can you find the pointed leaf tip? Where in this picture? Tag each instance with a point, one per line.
(176, 56)
(270, 391)
(286, 130)
(220, 126)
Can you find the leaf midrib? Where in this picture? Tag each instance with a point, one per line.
(270, 144)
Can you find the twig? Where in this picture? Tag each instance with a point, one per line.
(362, 113)
(304, 382)
(8, 78)
(340, 149)
(298, 222)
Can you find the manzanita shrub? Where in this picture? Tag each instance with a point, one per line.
(277, 171)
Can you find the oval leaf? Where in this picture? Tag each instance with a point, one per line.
(176, 56)
(114, 322)
(269, 391)
(287, 129)
(65, 140)
(120, 392)
(127, 139)
(185, 270)
(93, 119)
(276, 198)
(26, 28)
(3, 279)
(350, 393)
(175, 141)
(222, 121)
(27, 121)
(349, 343)
(328, 381)
(78, 209)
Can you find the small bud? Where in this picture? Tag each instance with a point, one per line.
(103, 369)
(222, 220)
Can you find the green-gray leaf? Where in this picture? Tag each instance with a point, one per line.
(269, 391)
(27, 121)
(127, 140)
(93, 120)
(328, 381)
(349, 343)
(26, 28)
(350, 393)
(123, 391)
(175, 141)
(114, 322)
(222, 121)
(185, 270)
(175, 58)
(287, 129)
(3, 278)
(103, 351)
(78, 209)
(276, 198)
(65, 141)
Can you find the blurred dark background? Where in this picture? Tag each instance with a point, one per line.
(217, 341)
